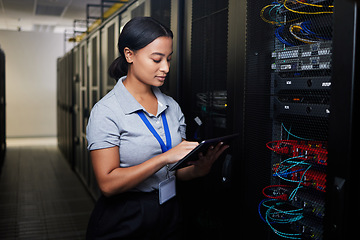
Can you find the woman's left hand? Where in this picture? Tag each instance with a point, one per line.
(203, 166)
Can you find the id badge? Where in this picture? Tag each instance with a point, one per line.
(167, 189)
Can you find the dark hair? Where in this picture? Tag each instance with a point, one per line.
(136, 34)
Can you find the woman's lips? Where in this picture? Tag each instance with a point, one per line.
(161, 78)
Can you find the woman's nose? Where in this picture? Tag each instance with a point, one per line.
(165, 66)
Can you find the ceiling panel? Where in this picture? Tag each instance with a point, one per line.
(18, 5)
(49, 10)
(25, 14)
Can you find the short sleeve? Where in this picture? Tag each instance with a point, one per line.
(102, 130)
(182, 126)
(181, 119)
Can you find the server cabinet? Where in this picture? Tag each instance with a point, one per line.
(2, 107)
(83, 112)
(343, 128)
(76, 120)
(94, 92)
(204, 98)
(205, 82)
(64, 103)
(140, 8)
(291, 87)
(93, 62)
(109, 51)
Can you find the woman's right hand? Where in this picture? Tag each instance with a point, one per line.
(176, 153)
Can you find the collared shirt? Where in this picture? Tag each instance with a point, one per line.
(114, 122)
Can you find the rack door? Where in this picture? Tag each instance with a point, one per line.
(109, 51)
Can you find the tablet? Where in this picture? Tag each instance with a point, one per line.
(202, 147)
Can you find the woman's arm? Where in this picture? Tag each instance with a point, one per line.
(113, 180)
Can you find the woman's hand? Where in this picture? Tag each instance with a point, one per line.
(181, 150)
(203, 166)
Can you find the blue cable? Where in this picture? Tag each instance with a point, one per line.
(305, 26)
(296, 217)
(281, 171)
(261, 204)
(301, 138)
(281, 39)
(274, 18)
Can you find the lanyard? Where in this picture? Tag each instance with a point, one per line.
(164, 147)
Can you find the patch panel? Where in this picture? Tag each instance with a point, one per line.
(315, 56)
(298, 173)
(317, 49)
(303, 64)
(314, 151)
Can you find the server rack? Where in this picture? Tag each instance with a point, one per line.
(2, 107)
(207, 100)
(109, 51)
(65, 106)
(205, 83)
(294, 79)
(76, 133)
(84, 112)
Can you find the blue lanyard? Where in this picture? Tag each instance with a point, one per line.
(164, 147)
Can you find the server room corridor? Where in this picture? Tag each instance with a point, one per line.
(40, 196)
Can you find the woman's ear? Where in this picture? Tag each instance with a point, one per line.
(128, 53)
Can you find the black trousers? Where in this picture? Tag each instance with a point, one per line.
(135, 216)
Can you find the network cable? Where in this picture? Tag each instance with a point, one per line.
(314, 5)
(285, 170)
(301, 138)
(308, 13)
(274, 20)
(276, 215)
(306, 27)
(295, 29)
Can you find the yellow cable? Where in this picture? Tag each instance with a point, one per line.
(313, 5)
(310, 13)
(272, 22)
(262, 15)
(298, 28)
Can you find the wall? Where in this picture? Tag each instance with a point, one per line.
(31, 82)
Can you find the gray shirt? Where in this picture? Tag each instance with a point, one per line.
(114, 122)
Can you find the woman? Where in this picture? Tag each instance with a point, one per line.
(134, 134)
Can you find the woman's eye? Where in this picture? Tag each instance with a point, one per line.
(157, 61)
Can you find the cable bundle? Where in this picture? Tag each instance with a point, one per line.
(299, 170)
(282, 13)
(278, 213)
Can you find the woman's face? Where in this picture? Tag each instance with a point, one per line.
(151, 64)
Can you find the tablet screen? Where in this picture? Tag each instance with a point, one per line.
(202, 147)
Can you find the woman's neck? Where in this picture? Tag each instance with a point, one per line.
(137, 88)
(142, 93)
